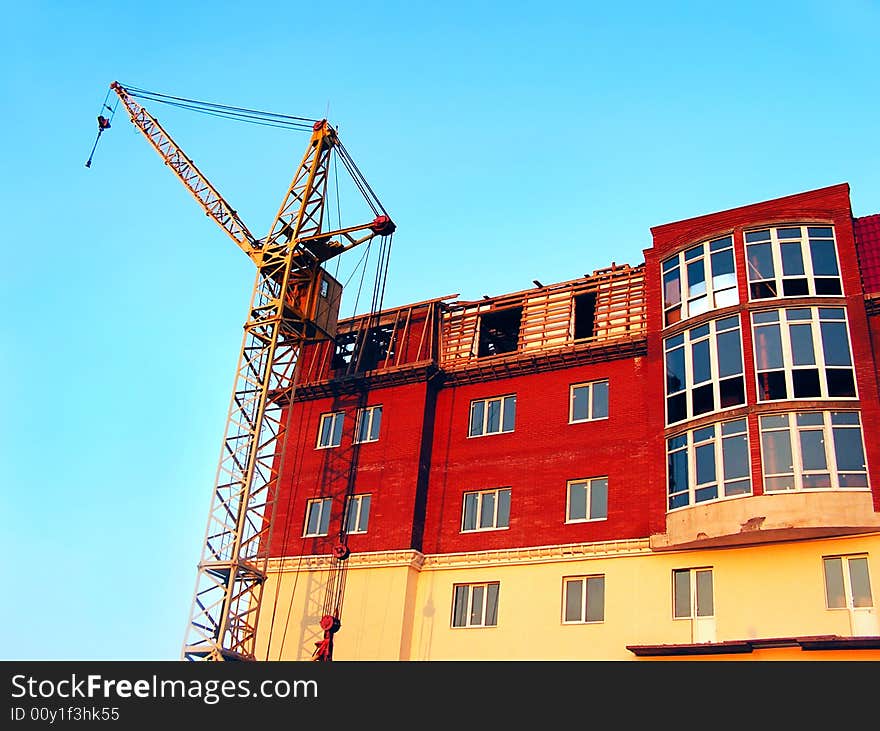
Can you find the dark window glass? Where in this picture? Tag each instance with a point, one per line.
(762, 290)
(696, 278)
(828, 286)
(795, 287)
(503, 509)
(678, 471)
(840, 383)
(771, 386)
(675, 370)
(701, 366)
(600, 400)
(736, 457)
(792, 259)
(477, 417)
(599, 499)
(509, 413)
(813, 449)
(676, 408)
(835, 344)
(705, 457)
(806, 383)
(768, 347)
(729, 353)
(848, 449)
(732, 392)
(703, 399)
(459, 606)
(802, 344)
(760, 262)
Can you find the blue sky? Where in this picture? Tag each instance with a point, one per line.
(509, 141)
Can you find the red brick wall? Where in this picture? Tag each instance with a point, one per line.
(541, 454)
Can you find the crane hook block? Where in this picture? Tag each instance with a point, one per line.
(340, 551)
(103, 123)
(330, 624)
(383, 226)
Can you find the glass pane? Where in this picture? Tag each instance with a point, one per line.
(758, 235)
(671, 288)
(509, 413)
(809, 418)
(813, 450)
(363, 426)
(820, 232)
(740, 487)
(491, 605)
(312, 519)
(768, 347)
(802, 344)
(600, 400)
(503, 509)
(577, 501)
(573, 599)
(777, 452)
(676, 408)
(580, 403)
(701, 365)
(470, 511)
(733, 427)
(834, 596)
(771, 385)
(805, 383)
(848, 449)
(487, 510)
(375, 422)
(599, 499)
(705, 458)
(841, 383)
(726, 297)
(760, 261)
(351, 515)
(792, 259)
(729, 353)
(326, 431)
(678, 471)
(325, 516)
(681, 584)
(732, 392)
(596, 599)
(705, 601)
(476, 617)
(839, 418)
(493, 418)
(476, 418)
(703, 399)
(337, 430)
(824, 258)
(707, 432)
(459, 606)
(675, 380)
(696, 273)
(736, 457)
(364, 514)
(788, 233)
(859, 581)
(835, 344)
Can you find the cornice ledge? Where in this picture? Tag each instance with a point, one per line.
(323, 562)
(538, 554)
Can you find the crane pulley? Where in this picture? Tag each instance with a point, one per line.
(285, 311)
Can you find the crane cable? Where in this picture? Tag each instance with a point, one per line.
(103, 123)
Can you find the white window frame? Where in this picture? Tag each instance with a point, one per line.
(371, 416)
(715, 379)
(690, 446)
(798, 473)
(687, 304)
(590, 387)
(335, 432)
(589, 585)
(469, 620)
(359, 507)
(846, 573)
(481, 496)
(806, 258)
(697, 600)
(507, 401)
(785, 325)
(324, 506)
(589, 482)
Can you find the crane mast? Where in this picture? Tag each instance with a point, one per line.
(283, 314)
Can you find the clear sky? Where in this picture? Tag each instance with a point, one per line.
(510, 141)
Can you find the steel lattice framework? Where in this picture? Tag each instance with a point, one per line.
(232, 570)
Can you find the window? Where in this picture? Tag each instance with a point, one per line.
(847, 584)
(708, 464)
(699, 279)
(475, 605)
(318, 516)
(792, 261)
(367, 425)
(813, 450)
(499, 332)
(325, 288)
(692, 593)
(583, 599)
(364, 350)
(587, 500)
(803, 352)
(704, 370)
(492, 416)
(357, 515)
(330, 429)
(589, 401)
(584, 315)
(486, 510)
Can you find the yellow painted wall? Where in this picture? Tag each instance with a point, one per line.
(404, 612)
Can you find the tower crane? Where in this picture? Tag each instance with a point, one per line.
(292, 302)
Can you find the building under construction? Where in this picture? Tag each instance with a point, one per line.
(669, 459)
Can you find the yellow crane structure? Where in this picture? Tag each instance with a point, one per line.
(294, 300)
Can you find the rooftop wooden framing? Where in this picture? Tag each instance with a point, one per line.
(444, 335)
